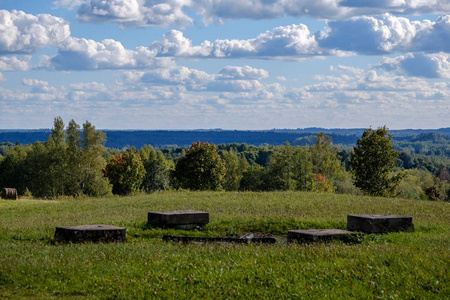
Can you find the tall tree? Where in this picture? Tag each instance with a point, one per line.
(13, 168)
(125, 172)
(254, 178)
(325, 160)
(235, 166)
(93, 183)
(37, 165)
(303, 168)
(74, 156)
(157, 170)
(56, 145)
(372, 161)
(201, 168)
(281, 168)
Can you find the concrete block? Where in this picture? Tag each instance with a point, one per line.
(90, 233)
(379, 223)
(178, 218)
(320, 235)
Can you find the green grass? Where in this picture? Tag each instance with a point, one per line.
(405, 265)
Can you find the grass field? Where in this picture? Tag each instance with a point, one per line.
(405, 265)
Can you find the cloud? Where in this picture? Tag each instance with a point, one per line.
(34, 82)
(39, 87)
(399, 6)
(364, 35)
(435, 65)
(142, 13)
(376, 85)
(385, 34)
(69, 4)
(293, 41)
(230, 78)
(245, 72)
(221, 10)
(85, 54)
(90, 86)
(25, 33)
(191, 78)
(14, 63)
(138, 13)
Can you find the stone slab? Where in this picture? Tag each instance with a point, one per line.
(178, 218)
(90, 233)
(379, 223)
(320, 235)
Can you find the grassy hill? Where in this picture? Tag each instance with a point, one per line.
(413, 265)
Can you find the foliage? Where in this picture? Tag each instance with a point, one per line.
(254, 179)
(5, 146)
(63, 165)
(157, 170)
(235, 167)
(321, 185)
(325, 159)
(415, 183)
(201, 168)
(70, 162)
(125, 172)
(371, 162)
(282, 168)
(433, 193)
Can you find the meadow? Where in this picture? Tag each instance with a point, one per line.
(401, 265)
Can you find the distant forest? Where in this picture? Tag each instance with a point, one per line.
(81, 161)
(161, 139)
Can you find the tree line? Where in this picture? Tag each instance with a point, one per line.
(74, 162)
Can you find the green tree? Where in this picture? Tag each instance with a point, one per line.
(13, 168)
(325, 159)
(290, 168)
(125, 172)
(254, 178)
(74, 155)
(56, 169)
(37, 165)
(282, 168)
(234, 166)
(157, 170)
(92, 182)
(201, 168)
(303, 168)
(372, 161)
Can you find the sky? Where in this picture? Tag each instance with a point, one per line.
(230, 64)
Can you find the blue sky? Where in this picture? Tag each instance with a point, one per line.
(231, 64)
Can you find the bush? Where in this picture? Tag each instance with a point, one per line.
(433, 193)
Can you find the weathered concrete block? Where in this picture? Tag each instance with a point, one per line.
(379, 223)
(320, 235)
(178, 218)
(90, 233)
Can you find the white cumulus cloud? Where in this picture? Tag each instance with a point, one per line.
(431, 65)
(85, 54)
(25, 33)
(69, 4)
(245, 72)
(138, 13)
(14, 63)
(386, 33)
(285, 41)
